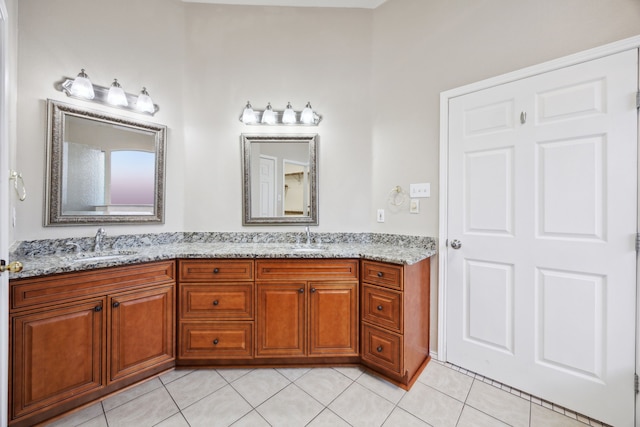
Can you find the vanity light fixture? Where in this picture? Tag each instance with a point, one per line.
(82, 87)
(271, 117)
(113, 96)
(306, 116)
(248, 115)
(116, 95)
(144, 102)
(289, 116)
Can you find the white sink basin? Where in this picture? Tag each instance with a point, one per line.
(304, 248)
(99, 256)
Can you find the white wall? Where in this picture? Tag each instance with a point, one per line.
(139, 42)
(422, 48)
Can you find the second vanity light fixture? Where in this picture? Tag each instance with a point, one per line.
(113, 96)
(269, 116)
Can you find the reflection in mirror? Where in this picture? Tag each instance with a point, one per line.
(103, 169)
(280, 179)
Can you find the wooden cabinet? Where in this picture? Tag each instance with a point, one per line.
(216, 317)
(395, 319)
(78, 336)
(307, 308)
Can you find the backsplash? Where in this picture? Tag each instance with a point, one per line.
(86, 244)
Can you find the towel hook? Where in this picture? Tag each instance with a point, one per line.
(15, 177)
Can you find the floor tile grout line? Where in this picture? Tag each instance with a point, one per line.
(531, 398)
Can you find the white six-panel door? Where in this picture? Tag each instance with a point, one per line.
(542, 191)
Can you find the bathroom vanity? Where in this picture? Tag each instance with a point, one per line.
(77, 336)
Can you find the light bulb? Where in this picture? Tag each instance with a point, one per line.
(82, 86)
(116, 95)
(269, 116)
(306, 116)
(289, 116)
(145, 103)
(248, 116)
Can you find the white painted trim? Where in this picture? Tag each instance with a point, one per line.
(567, 61)
(4, 211)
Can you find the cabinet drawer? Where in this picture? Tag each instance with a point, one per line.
(64, 287)
(382, 274)
(382, 307)
(307, 269)
(216, 270)
(231, 301)
(382, 348)
(207, 340)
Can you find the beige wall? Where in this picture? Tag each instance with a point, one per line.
(139, 42)
(374, 75)
(422, 48)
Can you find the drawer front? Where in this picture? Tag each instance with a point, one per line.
(382, 349)
(64, 287)
(382, 307)
(216, 340)
(216, 302)
(307, 269)
(215, 270)
(383, 274)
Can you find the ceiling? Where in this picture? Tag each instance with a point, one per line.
(364, 4)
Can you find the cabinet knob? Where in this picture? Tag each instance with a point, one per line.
(301, 290)
(216, 302)
(215, 342)
(216, 270)
(379, 273)
(115, 304)
(97, 308)
(379, 349)
(313, 290)
(379, 308)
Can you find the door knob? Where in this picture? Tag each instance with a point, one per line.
(456, 244)
(13, 267)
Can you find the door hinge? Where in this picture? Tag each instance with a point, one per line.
(638, 243)
(638, 99)
(635, 383)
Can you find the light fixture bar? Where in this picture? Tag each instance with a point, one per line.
(101, 94)
(317, 118)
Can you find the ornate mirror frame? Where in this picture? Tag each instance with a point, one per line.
(57, 114)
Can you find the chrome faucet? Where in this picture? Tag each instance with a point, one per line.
(100, 235)
(306, 229)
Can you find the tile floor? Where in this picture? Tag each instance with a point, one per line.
(444, 396)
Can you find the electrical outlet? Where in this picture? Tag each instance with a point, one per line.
(380, 215)
(414, 206)
(420, 190)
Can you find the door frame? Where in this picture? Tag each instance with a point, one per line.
(588, 55)
(4, 210)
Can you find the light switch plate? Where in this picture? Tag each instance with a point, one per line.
(380, 215)
(420, 190)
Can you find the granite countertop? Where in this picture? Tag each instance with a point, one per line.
(46, 257)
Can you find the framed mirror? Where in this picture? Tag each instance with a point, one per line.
(280, 175)
(102, 169)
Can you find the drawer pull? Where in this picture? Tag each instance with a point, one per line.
(215, 342)
(97, 308)
(216, 270)
(379, 308)
(380, 274)
(115, 304)
(379, 349)
(216, 302)
(301, 290)
(313, 290)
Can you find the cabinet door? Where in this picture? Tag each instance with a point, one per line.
(57, 354)
(280, 319)
(333, 314)
(142, 330)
